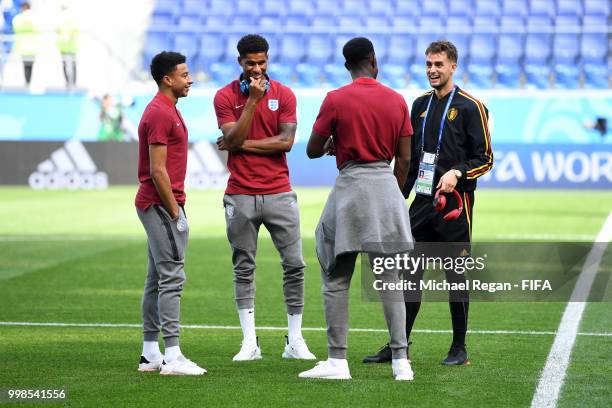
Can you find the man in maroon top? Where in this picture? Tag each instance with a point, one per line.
(162, 163)
(365, 211)
(258, 121)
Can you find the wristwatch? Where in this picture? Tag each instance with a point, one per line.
(458, 173)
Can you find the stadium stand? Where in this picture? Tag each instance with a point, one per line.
(502, 43)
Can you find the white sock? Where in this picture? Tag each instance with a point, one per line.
(150, 350)
(338, 362)
(247, 322)
(295, 326)
(172, 353)
(400, 363)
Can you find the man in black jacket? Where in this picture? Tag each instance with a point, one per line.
(452, 145)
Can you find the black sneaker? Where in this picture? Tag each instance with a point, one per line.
(457, 355)
(383, 355)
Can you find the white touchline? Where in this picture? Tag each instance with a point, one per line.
(553, 375)
(281, 328)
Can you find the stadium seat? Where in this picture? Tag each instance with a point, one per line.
(244, 20)
(510, 51)
(300, 7)
(381, 46)
(188, 44)
(156, 42)
(336, 75)
(407, 8)
(460, 8)
(432, 8)
(194, 7)
(282, 73)
(231, 53)
(401, 49)
(269, 20)
(161, 19)
(569, 8)
(542, 8)
(189, 21)
(458, 32)
(292, 48)
(222, 73)
(487, 8)
(273, 8)
(323, 21)
(376, 21)
(594, 55)
(404, 23)
(566, 48)
(319, 49)
(515, 8)
(309, 75)
(215, 21)
(326, 7)
(296, 19)
(211, 51)
(482, 54)
(538, 49)
(165, 7)
(354, 7)
(380, 7)
(220, 7)
(597, 8)
(351, 22)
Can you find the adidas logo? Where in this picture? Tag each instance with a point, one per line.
(69, 167)
(205, 169)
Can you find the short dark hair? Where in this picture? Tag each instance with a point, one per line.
(357, 50)
(446, 46)
(164, 63)
(251, 44)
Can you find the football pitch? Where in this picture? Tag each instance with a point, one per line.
(72, 268)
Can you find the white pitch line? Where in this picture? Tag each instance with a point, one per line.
(280, 328)
(553, 375)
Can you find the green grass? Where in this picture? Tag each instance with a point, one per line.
(79, 257)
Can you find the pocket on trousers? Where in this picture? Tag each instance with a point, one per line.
(167, 225)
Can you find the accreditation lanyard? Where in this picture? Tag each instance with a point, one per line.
(427, 165)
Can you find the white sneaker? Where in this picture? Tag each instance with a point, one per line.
(249, 351)
(334, 369)
(147, 366)
(402, 370)
(181, 366)
(298, 349)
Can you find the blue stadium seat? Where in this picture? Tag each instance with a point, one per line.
(281, 73)
(165, 7)
(407, 8)
(482, 54)
(215, 21)
(354, 7)
(566, 50)
(194, 7)
(309, 75)
(432, 8)
(569, 8)
(212, 49)
(542, 8)
(336, 75)
(487, 8)
(381, 46)
(230, 52)
(297, 19)
(292, 48)
(323, 20)
(222, 73)
(273, 8)
(510, 51)
(376, 21)
(401, 49)
(243, 21)
(594, 53)
(300, 7)
(404, 22)
(597, 8)
(458, 30)
(515, 8)
(395, 76)
(156, 42)
(538, 49)
(187, 44)
(160, 19)
(220, 7)
(245, 7)
(351, 22)
(319, 49)
(460, 8)
(189, 21)
(326, 7)
(269, 20)
(380, 7)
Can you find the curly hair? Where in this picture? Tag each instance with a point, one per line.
(252, 43)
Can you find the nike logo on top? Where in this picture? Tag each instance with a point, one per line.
(238, 107)
(178, 124)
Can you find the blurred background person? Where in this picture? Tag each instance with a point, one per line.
(26, 39)
(68, 43)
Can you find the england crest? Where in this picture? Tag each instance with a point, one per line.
(273, 104)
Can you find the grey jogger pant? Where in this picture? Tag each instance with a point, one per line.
(165, 277)
(336, 295)
(279, 213)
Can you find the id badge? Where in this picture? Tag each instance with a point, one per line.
(427, 171)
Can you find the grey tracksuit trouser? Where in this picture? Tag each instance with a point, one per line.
(336, 285)
(244, 214)
(165, 277)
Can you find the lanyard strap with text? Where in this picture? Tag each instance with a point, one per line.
(441, 123)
